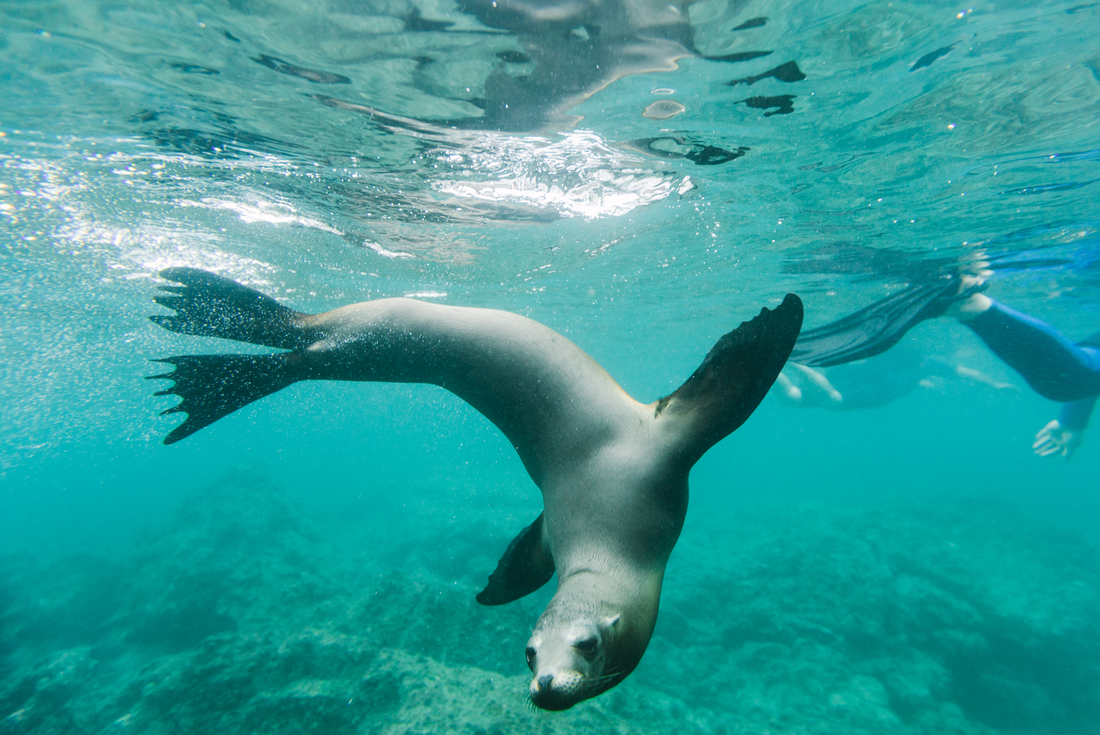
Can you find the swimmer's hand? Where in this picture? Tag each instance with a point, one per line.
(1054, 439)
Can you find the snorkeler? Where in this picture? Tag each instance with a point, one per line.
(1052, 365)
(875, 382)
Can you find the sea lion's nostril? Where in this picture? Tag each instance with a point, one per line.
(544, 682)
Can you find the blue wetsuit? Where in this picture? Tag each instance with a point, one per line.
(1055, 367)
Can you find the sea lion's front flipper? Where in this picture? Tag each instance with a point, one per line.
(525, 566)
(734, 377)
(875, 328)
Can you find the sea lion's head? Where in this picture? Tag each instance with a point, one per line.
(574, 657)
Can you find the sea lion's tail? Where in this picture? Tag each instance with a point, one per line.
(213, 386)
(208, 305)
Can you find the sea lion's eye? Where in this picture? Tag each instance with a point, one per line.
(587, 647)
(531, 657)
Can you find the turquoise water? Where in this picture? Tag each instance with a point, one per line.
(310, 562)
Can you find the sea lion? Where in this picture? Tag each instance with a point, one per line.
(613, 472)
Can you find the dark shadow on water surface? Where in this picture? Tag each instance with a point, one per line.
(869, 263)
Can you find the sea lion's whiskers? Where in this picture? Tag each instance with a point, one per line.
(608, 676)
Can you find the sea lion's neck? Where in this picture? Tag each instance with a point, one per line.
(632, 594)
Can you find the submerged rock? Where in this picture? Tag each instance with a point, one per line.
(241, 617)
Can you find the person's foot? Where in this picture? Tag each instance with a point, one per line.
(969, 300)
(967, 307)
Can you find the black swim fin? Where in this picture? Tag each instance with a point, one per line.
(213, 386)
(209, 305)
(525, 566)
(875, 328)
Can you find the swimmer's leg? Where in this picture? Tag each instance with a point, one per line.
(876, 328)
(1055, 367)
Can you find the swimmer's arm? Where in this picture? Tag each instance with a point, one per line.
(978, 376)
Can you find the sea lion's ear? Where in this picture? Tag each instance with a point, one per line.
(525, 566)
(611, 620)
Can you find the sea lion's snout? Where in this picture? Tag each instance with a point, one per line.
(555, 685)
(556, 692)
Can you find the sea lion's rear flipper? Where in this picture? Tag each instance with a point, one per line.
(213, 386)
(734, 377)
(525, 566)
(208, 305)
(875, 328)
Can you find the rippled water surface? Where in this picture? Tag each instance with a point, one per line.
(639, 176)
